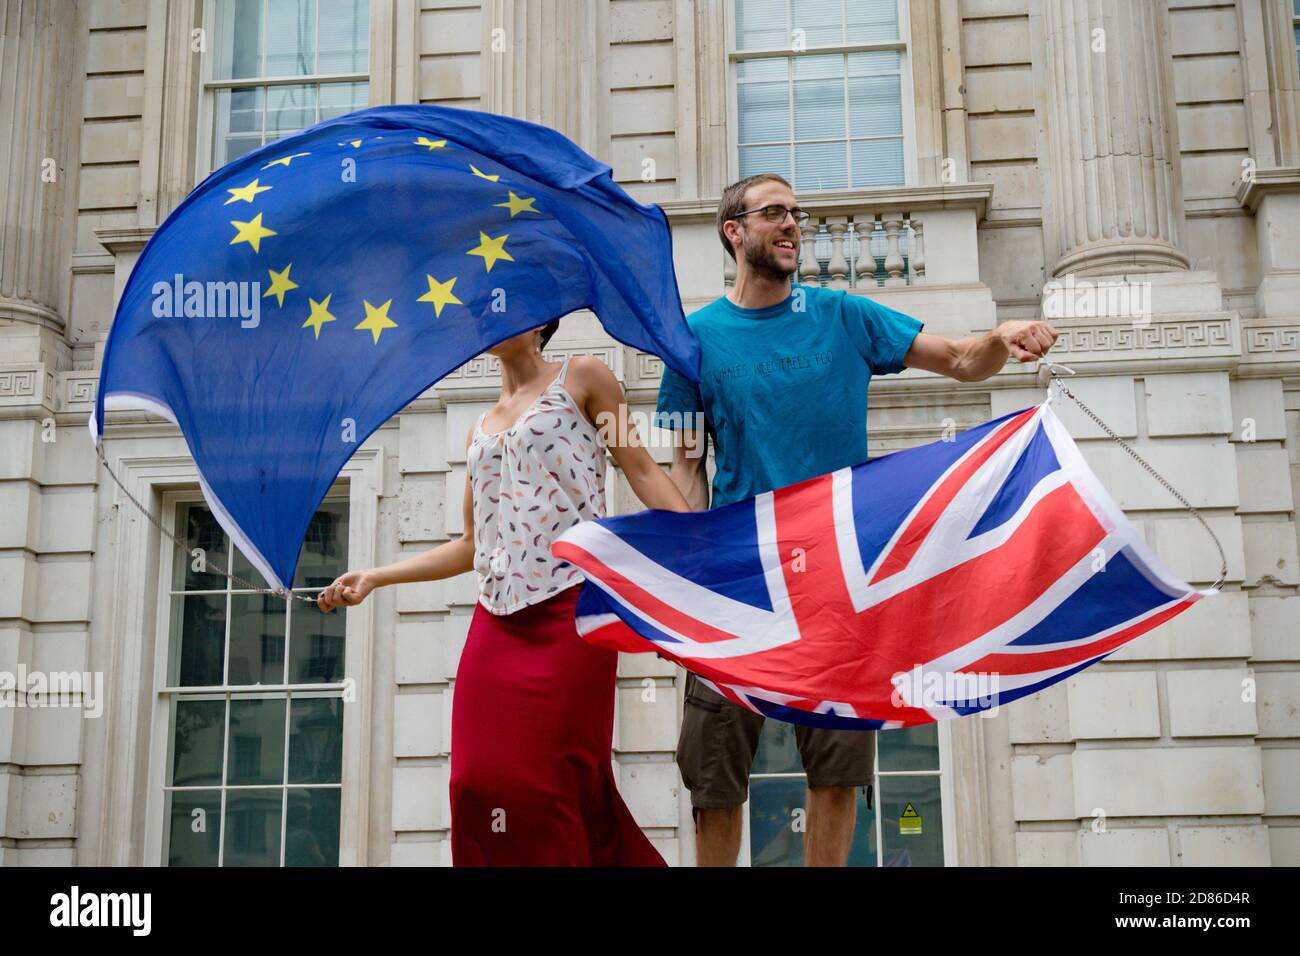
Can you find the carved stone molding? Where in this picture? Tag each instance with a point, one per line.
(1156, 339)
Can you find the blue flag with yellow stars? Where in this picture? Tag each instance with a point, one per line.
(304, 293)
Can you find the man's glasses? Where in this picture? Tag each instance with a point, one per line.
(777, 213)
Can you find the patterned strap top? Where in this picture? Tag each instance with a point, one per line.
(530, 482)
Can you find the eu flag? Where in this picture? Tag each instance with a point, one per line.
(306, 292)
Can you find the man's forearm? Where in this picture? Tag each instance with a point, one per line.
(981, 356)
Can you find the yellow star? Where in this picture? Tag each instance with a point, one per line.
(431, 143)
(251, 232)
(517, 204)
(376, 320)
(440, 294)
(245, 193)
(354, 143)
(320, 314)
(492, 178)
(491, 249)
(280, 284)
(284, 160)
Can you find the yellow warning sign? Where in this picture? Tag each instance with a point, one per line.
(910, 822)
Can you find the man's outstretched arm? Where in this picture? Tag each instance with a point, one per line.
(978, 357)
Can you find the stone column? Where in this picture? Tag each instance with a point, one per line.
(545, 61)
(36, 60)
(46, 540)
(1114, 203)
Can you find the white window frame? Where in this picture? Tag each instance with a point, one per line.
(906, 83)
(168, 558)
(946, 798)
(140, 633)
(210, 86)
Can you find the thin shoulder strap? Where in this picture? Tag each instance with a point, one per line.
(564, 370)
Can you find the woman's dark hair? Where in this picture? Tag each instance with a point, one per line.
(548, 331)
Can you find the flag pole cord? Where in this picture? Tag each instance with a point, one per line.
(1053, 367)
(210, 567)
(1056, 369)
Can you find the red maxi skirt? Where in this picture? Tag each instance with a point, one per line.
(532, 722)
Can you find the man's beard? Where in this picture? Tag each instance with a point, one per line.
(763, 261)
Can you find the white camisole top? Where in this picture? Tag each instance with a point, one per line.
(530, 483)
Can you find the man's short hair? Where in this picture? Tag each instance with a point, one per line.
(733, 201)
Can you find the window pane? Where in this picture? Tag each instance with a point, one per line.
(289, 109)
(315, 740)
(238, 124)
(914, 840)
(316, 645)
(820, 20)
(196, 526)
(324, 554)
(199, 639)
(878, 162)
(256, 741)
(336, 99)
(871, 20)
(875, 105)
(777, 817)
(237, 48)
(194, 819)
(820, 166)
(778, 752)
(764, 159)
(344, 36)
(763, 100)
(197, 741)
(257, 629)
(909, 748)
(290, 37)
(882, 61)
(253, 827)
(243, 568)
(311, 837)
(761, 25)
(818, 109)
(827, 67)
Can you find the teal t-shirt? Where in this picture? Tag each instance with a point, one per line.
(783, 389)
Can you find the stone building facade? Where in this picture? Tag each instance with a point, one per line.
(1148, 146)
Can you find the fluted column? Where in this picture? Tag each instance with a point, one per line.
(1115, 203)
(546, 65)
(35, 63)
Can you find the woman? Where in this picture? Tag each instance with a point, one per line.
(533, 707)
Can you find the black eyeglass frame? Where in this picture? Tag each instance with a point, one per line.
(800, 215)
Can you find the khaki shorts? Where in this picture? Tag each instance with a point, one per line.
(719, 740)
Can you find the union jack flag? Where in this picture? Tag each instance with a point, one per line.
(930, 583)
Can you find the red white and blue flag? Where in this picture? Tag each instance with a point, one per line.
(934, 582)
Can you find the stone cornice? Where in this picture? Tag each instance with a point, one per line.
(119, 240)
(905, 198)
(1284, 179)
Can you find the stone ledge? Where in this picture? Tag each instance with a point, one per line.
(1284, 179)
(906, 198)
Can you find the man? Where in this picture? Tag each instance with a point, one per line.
(783, 394)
